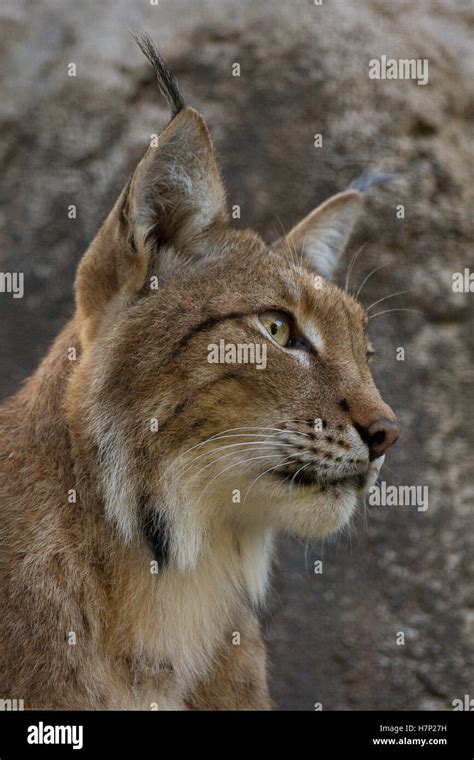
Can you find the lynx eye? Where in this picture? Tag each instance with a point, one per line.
(278, 326)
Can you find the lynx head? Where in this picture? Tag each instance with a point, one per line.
(223, 385)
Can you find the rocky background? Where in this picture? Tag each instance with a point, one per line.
(304, 70)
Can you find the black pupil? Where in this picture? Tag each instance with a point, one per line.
(274, 328)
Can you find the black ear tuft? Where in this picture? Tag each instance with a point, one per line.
(167, 84)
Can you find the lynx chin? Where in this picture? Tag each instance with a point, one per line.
(162, 496)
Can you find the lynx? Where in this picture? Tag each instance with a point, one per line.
(141, 485)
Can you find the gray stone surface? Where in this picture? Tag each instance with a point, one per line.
(332, 637)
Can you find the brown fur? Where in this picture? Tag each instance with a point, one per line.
(165, 639)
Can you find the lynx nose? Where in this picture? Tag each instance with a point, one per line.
(379, 436)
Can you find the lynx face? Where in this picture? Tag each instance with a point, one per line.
(192, 436)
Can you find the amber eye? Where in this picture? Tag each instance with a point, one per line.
(278, 326)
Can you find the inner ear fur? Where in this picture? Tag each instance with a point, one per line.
(323, 234)
(176, 191)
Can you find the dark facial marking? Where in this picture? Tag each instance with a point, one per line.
(206, 324)
(156, 538)
(185, 403)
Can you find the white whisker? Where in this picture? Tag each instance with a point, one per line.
(232, 446)
(352, 263)
(297, 471)
(388, 311)
(284, 461)
(369, 276)
(385, 298)
(217, 436)
(234, 464)
(219, 459)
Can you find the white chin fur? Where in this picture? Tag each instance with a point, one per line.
(314, 514)
(262, 505)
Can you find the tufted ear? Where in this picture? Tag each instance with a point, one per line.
(175, 194)
(322, 236)
(176, 191)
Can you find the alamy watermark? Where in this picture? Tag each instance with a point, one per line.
(237, 353)
(12, 282)
(399, 68)
(463, 282)
(42, 733)
(382, 495)
(9, 705)
(466, 703)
